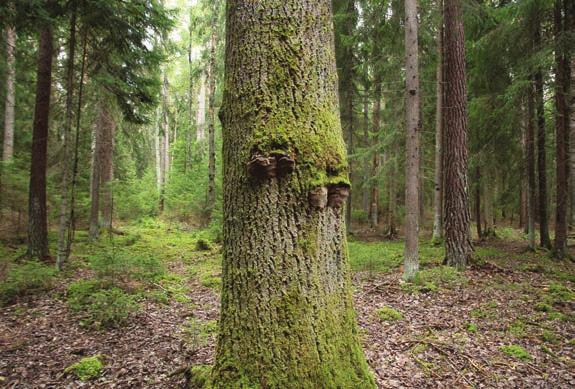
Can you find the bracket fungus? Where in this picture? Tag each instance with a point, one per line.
(318, 197)
(337, 194)
(276, 165)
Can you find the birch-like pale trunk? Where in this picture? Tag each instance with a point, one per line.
(412, 168)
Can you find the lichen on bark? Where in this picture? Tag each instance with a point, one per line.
(287, 316)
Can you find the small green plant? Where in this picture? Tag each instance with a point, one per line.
(559, 293)
(388, 314)
(471, 327)
(543, 307)
(87, 368)
(119, 266)
(200, 376)
(517, 328)
(549, 336)
(515, 351)
(440, 276)
(196, 333)
(99, 306)
(24, 279)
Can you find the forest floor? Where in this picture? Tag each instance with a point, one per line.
(506, 322)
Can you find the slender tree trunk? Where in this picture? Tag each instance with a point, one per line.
(531, 184)
(64, 225)
(72, 226)
(376, 159)
(561, 136)
(438, 178)
(541, 152)
(10, 102)
(366, 143)
(524, 193)
(287, 314)
(478, 202)
(37, 218)
(211, 196)
(572, 138)
(413, 123)
(107, 169)
(165, 132)
(458, 248)
(201, 111)
(96, 176)
(390, 159)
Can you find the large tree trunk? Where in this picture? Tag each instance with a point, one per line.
(37, 218)
(10, 102)
(64, 223)
(458, 248)
(561, 135)
(438, 177)
(211, 197)
(346, 20)
(287, 315)
(376, 159)
(531, 184)
(412, 166)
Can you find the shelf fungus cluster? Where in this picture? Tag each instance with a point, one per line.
(278, 165)
(262, 167)
(332, 196)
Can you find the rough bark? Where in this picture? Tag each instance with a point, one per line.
(412, 163)
(211, 197)
(344, 27)
(561, 136)
(9, 102)
(64, 223)
(545, 241)
(376, 158)
(458, 248)
(531, 184)
(287, 316)
(37, 218)
(438, 177)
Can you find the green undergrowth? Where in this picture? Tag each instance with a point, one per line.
(87, 368)
(516, 351)
(387, 256)
(388, 314)
(435, 278)
(22, 279)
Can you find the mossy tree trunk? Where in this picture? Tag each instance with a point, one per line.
(287, 316)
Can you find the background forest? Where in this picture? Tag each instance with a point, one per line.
(118, 101)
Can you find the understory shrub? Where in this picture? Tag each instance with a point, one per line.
(100, 305)
(24, 279)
